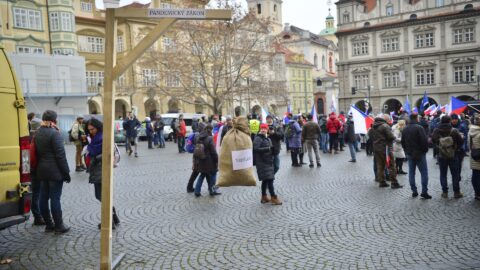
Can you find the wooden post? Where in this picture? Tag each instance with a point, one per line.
(107, 148)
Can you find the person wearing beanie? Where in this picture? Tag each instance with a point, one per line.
(52, 170)
(449, 142)
(474, 142)
(310, 135)
(262, 149)
(254, 125)
(293, 134)
(78, 136)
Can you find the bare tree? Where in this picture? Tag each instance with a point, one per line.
(215, 63)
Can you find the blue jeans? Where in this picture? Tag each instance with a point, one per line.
(423, 168)
(211, 181)
(51, 190)
(454, 165)
(161, 138)
(324, 142)
(351, 147)
(276, 163)
(181, 144)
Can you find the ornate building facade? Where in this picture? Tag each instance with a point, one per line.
(393, 48)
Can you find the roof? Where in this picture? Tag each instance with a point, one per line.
(328, 31)
(313, 37)
(290, 56)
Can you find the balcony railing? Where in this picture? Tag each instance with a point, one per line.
(55, 88)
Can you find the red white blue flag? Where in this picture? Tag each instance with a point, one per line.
(456, 106)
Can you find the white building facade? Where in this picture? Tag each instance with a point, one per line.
(397, 48)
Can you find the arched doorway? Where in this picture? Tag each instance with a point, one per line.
(121, 108)
(392, 105)
(257, 110)
(320, 106)
(93, 107)
(362, 105)
(431, 101)
(173, 106)
(465, 98)
(239, 110)
(151, 108)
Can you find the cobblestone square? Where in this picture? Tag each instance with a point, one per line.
(333, 217)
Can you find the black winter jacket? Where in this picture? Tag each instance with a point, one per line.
(52, 162)
(349, 132)
(444, 130)
(381, 135)
(95, 170)
(262, 149)
(414, 140)
(276, 138)
(210, 163)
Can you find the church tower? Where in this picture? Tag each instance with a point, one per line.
(269, 10)
(329, 31)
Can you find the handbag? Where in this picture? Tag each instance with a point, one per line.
(475, 152)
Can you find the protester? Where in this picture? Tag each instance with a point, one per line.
(333, 128)
(78, 136)
(131, 126)
(415, 144)
(301, 121)
(262, 148)
(94, 148)
(474, 141)
(293, 134)
(310, 135)
(52, 170)
(449, 142)
(398, 151)
(341, 140)
(254, 125)
(460, 125)
(324, 134)
(181, 132)
(158, 128)
(34, 125)
(382, 138)
(149, 132)
(207, 164)
(195, 173)
(228, 125)
(350, 138)
(275, 133)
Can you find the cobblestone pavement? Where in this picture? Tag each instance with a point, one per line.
(333, 217)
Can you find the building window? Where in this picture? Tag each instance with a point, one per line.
(149, 77)
(360, 48)
(63, 51)
(425, 76)
(94, 78)
(439, 3)
(86, 6)
(91, 44)
(27, 18)
(172, 79)
(168, 44)
(61, 21)
(259, 8)
(390, 44)
(346, 17)
(315, 60)
(120, 82)
(391, 79)
(424, 40)
(197, 79)
(389, 11)
(463, 35)
(120, 47)
(361, 81)
(29, 49)
(464, 74)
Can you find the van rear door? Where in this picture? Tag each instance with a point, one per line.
(10, 210)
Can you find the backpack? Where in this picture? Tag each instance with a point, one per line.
(199, 151)
(70, 138)
(447, 147)
(190, 143)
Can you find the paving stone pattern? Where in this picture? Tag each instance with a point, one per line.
(333, 217)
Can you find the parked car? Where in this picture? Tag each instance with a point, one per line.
(15, 195)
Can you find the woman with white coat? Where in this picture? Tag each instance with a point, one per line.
(398, 152)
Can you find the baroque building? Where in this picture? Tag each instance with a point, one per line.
(389, 49)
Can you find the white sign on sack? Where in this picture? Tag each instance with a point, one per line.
(242, 159)
(177, 13)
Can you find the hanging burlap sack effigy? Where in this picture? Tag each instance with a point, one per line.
(236, 142)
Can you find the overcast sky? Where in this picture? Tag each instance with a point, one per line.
(306, 14)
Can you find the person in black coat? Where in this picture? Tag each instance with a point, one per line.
(276, 134)
(95, 128)
(52, 170)
(415, 145)
(262, 149)
(207, 166)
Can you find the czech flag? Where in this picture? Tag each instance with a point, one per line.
(425, 101)
(406, 106)
(313, 113)
(430, 110)
(362, 122)
(456, 106)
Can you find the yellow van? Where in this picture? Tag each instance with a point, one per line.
(15, 196)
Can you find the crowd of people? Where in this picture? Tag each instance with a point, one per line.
(391, 141)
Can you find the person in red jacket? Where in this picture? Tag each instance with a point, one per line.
(333, 128)
(181, 131)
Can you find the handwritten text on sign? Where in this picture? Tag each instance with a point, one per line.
(177, 13)
(242, 159)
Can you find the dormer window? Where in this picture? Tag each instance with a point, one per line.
(389, 11)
